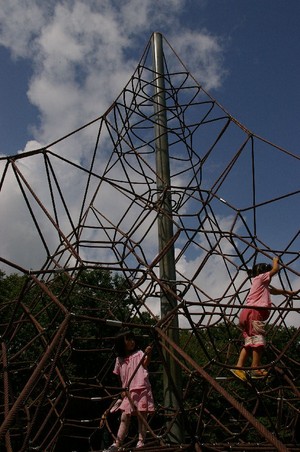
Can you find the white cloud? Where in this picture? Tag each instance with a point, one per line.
(20, 24)
(84, 53)
(203, 56)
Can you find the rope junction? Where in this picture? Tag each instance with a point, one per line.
(91, 203)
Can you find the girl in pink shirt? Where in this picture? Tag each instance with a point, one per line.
(137, 399)
(252, 319)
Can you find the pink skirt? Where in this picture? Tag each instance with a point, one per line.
(138, 400)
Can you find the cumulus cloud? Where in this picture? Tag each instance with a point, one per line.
(82, 55)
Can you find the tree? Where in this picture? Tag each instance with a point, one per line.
(32, 313)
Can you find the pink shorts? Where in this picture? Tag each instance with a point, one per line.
(140, 400)
(252, 322)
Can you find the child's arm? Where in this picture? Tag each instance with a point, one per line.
(275, 268)
(290, 293)
(147, 357)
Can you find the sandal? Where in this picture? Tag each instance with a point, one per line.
(240, 374)
(259, 373)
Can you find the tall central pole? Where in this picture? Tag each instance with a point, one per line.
(172, 373)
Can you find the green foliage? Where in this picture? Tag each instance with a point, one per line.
(32, 313)
(212, 348)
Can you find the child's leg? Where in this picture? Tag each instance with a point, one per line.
(239, 373)
(142, 426)
(256, 362)
(257, 354)
(243, 357)
(123, 428)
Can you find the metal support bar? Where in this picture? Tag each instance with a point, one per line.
(171, 379)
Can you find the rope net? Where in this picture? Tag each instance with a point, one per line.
(90, 203)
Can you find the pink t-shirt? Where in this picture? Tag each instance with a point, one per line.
(125, 368)
(259, 294)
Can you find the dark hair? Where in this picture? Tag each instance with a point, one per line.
(120, 341)
(258, 269)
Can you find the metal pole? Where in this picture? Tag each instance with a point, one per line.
(171, 378)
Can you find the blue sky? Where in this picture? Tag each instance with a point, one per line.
(17, 113)
(260, 53)
(259, 45)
